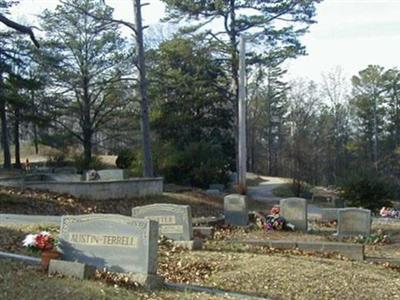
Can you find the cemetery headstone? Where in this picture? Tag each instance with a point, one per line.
(354, 222)
(217, 186)
(213, 192)
(175, 221)
(112, 174)
(118, 243)
(294, 210)
(235, 210)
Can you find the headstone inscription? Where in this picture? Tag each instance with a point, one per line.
(354, 222)
(235, 210)
(118, 243)
(294, 210)
(175, 221)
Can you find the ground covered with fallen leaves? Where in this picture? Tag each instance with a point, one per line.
(27, 201)
(253, 270)
(18, 281)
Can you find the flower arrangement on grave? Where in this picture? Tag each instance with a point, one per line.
(44, 243)
(273, 221)
(388, 212)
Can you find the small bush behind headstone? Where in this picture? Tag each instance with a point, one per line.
(125, 159)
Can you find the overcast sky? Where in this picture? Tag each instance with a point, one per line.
(349, 33)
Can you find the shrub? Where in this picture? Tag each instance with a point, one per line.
(95, 163)
(125, 159)
(367, 190)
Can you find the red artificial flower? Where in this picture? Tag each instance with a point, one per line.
(44, 242)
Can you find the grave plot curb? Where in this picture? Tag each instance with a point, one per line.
(26, 259)
(352, 251)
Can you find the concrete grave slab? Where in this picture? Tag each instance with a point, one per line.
(175, 221)
(71, 269)
(118, 243)
(235, 210)
(294, 210)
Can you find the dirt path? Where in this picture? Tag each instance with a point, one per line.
(263, 193)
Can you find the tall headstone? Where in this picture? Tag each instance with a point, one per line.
(294, 210)
(235, 210)
(175, 221)
(118, 243)
(354, 222)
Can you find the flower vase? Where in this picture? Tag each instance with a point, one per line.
(46, 256)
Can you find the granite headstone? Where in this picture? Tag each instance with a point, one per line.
(175, 221)
(354, 222)
(118, 243)
(235, 210)
(294, 210)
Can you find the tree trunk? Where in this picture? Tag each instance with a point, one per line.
(4, 128)
(145, 126)
(16, 138)
(375, 141)
(35, 133)
(234, 61)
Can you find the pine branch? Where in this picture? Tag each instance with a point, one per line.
(21, 28)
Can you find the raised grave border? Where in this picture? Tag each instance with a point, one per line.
(352, 251)
(94, 190)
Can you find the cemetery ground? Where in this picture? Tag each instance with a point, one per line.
(223, 263)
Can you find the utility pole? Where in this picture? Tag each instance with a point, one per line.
(148, 162)
(242, 117)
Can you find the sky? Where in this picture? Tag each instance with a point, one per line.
(350, 34)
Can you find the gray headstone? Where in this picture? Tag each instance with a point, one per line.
(235, 210)
(294, 210)
(217, 186)
(354, 222)
(112, 174)
(118, 243)
(175, 221)
(213, 192)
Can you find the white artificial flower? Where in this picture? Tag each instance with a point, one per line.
(45, 233)
(30, 240)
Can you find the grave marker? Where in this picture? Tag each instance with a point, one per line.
(119, 243)
(175, 221)
(354, 222)
(294, 210)
(235, 210)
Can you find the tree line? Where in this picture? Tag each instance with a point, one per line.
(83, 89)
